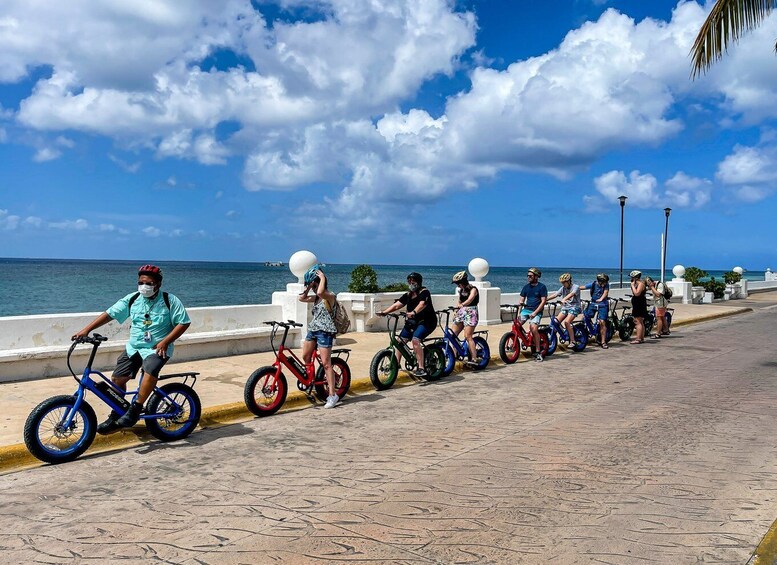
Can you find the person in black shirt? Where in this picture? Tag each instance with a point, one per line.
(466, 317)
(421, 319)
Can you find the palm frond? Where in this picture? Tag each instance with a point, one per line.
(726, 23)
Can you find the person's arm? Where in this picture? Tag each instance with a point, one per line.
(541, 307)
(415, 311)
(303, 297)
(568, 297)
(100, 320)
(323, 292)
(554, 295)
(396, 306)
(605, 295)
(161, 347)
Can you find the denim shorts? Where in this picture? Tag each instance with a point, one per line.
(322, 338)
(601, 307)
(420, 331)
(574, 310)
(526, 312)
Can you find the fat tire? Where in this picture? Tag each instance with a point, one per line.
(581, 337)
(507, 356)
(249, 391)
(552, 341)
(375, 371)
(342, 374)
(34, 420)
(626, 328)
(155, 426)
(481, 345)
(434, 362)
(450, 360)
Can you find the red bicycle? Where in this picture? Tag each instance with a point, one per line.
(266, 388)
(518, 339)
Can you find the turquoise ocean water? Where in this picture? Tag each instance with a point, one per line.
(47, 286)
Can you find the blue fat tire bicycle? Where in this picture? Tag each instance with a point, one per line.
(456, 349)
(61, 428)
(558, 333)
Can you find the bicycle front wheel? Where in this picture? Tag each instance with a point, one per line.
(265, 392)
(626, 328)
(183, 402)
(46, 435)
(509, 348)
(384, 369)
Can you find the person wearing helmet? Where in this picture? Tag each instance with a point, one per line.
(157, 319)
(534, 295)
(466, 317)
(421, 319)
(321, 329)
(570, 304)
(638, 305)
(599, 305)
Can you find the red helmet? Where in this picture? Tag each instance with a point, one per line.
(152, 271)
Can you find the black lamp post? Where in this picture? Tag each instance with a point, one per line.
(667, 211)
(623, 205)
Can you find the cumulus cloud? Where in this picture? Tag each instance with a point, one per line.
(70, 225)
(8, 221)
(152, 231)
(46, 154)
(642, 191)
(751, 172)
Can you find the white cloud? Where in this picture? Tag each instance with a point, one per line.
(642, 190)
(8, 221)
(752, 194)
(33, 221)
(171, 181)
(129, 167)
(70, 225)
(684, 191)
(152, 231)
(46, 154)
(3, 135)
(751, 172)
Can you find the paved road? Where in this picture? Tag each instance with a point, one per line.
(662, 452)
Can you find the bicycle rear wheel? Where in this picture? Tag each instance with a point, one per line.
(183, 423)
(581, 337)
(434, 361)
(482, 353)
(342, 374)
(627, 328)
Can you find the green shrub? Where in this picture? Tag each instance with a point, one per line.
(363, 279)
(694, 275)
(395, 287)
(717, 288)
(731, 277)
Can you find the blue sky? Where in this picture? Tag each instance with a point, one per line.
(394, 132)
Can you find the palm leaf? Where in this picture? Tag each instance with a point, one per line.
(726, 23)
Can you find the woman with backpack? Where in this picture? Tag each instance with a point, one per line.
(660, 301)
(321, 329)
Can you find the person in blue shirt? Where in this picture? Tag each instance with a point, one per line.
(157, 320)
(600, 304)
(534, 295)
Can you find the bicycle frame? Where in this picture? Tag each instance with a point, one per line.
(85, 383)
(526, 338)
(285, 357)
(450, 339)
(396, 343)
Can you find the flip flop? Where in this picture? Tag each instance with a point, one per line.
(605, 346)
(634, 341)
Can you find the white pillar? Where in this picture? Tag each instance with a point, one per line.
(293, 309)
(681, 289)
(489, 312)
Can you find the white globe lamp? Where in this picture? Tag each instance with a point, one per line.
(478, 268)
(678, 271)
(738, 270)
(300, 262)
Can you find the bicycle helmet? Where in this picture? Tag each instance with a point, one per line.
(460, 277)
(151, 271)
(565, 278)
(310, 276)
(535, 271)
(603, 277)
(635, 274)
(415, 277)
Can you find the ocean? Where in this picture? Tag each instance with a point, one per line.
(49, 286)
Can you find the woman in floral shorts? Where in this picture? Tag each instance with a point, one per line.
(466, 317)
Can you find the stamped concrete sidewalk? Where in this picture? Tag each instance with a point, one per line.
(221, 380)
(662, 453)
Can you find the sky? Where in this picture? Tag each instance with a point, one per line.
(386, 132)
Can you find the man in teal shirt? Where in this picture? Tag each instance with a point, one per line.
(157, 320)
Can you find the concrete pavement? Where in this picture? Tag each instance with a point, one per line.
(221, 382)
(662, 452)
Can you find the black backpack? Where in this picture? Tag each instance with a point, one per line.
(165, 297)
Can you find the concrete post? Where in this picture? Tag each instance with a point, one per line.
(489, 312)
(681, 289)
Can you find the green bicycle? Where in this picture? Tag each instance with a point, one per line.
(385, 366)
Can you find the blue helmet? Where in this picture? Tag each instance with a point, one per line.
(310, 276)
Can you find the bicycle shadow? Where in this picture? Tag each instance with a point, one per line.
(198, 439)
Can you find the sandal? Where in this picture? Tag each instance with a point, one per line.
(605, 346)
(635, 341)
(572, 344)
(655, 336)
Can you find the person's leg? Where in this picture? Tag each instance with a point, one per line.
(603, 327)
(326, 362)
(152, 366)
(639, 328)
(457, 327)
(471, 349)
(660, 313)
(405, 335)
(534, 328)
(568, 325)
(308, 348)
(125, 370)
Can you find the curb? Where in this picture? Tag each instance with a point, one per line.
(766, 552)
(16, 457)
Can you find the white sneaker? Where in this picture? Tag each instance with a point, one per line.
(332, 401)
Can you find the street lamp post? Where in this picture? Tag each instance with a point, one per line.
(667, 211)
(623, 205)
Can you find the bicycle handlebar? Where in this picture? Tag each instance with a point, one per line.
(93, 339)
(288, 324)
